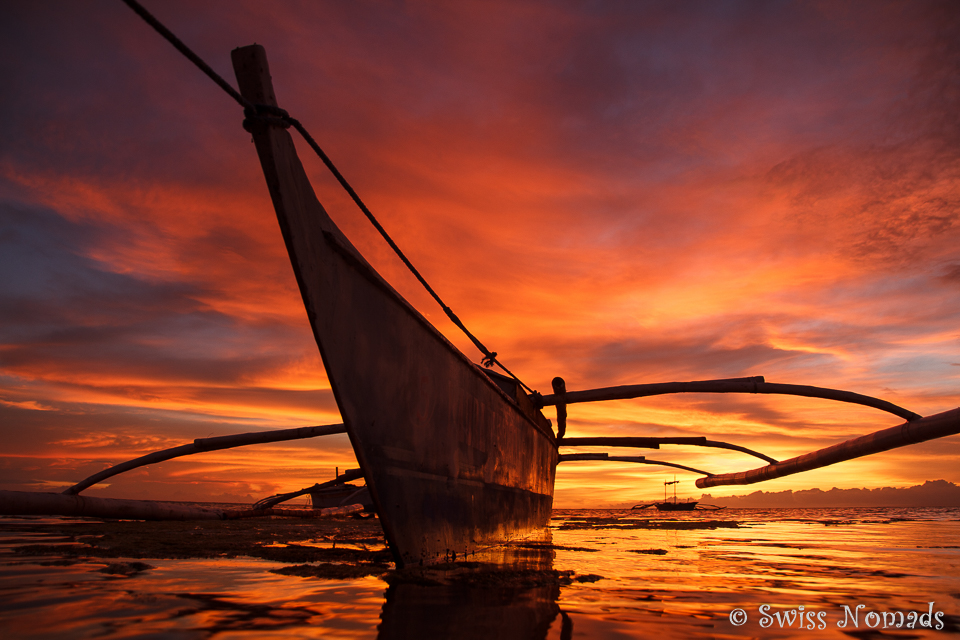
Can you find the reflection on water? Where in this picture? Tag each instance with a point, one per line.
(508, 592)
(593, 574)
(823, 560)
(417, 611)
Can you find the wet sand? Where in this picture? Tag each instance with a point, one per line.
(349, 542)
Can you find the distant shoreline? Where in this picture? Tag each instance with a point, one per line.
(932, 493)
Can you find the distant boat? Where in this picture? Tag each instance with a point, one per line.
(676, 506)
(666, 505)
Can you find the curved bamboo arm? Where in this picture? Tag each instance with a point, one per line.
(935, 426)
(654, 443)
(734, 385)
(207, 444)
(573, 457)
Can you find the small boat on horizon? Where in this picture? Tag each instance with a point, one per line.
(667, 505)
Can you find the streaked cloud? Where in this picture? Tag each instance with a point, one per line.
(614, 193)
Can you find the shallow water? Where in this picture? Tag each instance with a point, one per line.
(592, 574)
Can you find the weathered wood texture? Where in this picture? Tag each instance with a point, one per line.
(935, 426)
(734, 385)
(201, 445)
(654, 443)
(452, 462)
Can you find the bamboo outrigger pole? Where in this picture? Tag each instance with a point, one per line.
(643, 442)
(912, 432)
(606, 457)
(755, 384)
(201, 445)
(68, 503)
(26, 503)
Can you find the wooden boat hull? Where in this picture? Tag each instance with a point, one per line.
(453, 461)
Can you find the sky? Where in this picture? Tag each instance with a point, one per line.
(611, 192)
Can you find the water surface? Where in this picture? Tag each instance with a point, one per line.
(591, 574)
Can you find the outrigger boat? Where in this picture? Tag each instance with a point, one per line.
(666, 505)
(455, 457)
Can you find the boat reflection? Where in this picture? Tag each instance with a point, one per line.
(505, 592)
(418, 611)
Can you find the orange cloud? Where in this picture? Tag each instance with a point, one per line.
(613, 194)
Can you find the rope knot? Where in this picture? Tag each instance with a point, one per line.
(537, 399)
(265, 114)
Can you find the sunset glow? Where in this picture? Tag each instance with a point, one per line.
(615, 194)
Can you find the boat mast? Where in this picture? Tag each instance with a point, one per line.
(674, 483)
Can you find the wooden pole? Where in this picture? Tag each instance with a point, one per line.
(560, 392)
(295, 513)
(30, 503)
(654, 443)
(201, 445)
(573, 457)
(935, 426)
(734, 385)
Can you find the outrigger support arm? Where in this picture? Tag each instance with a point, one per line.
(754, 384)
(572, 457)
(33, 503)
(935, 426)
(654, 443)
(201, 445)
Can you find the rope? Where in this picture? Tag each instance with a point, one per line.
(188, 52)
(252, 111)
